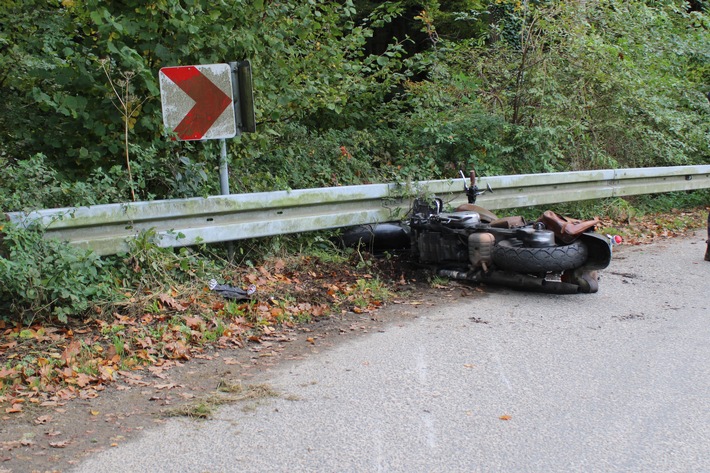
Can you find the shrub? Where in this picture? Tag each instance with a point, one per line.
(42, 277)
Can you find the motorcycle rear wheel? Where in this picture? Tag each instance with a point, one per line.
(540, 260)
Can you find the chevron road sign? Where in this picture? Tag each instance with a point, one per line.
(197, 101)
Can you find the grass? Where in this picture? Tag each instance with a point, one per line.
(227, 393)
(438, 282)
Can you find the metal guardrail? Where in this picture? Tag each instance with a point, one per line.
(183, 222)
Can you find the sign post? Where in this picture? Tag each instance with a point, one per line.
(207, 102)
(223, 168)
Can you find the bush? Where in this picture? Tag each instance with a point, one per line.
(34, 183)
(42, 277)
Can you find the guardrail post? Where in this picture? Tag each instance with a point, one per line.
(223, 169)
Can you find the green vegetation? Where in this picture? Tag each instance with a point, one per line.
(347, 92)
(40, 277)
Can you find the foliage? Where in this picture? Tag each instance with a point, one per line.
(627, 208)
(594, 85)
(406, 88)
(307, 57)
(671, 200)
(146, 267)
(34, 183)
(40, 277)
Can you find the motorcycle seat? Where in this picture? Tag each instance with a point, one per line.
(509, 222)
(566, 229)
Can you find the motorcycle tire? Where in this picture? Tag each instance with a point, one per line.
(540, 260)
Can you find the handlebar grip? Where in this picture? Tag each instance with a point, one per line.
(473, 178)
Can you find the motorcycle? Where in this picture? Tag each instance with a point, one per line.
(554, 254)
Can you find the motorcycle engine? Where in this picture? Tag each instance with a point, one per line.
(436, 247)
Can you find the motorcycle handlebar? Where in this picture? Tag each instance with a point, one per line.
(472, 177)
(472, 190)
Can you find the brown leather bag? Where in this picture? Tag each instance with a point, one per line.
(566, 229)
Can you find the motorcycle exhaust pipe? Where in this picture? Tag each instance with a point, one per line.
(513, 280)
(529, 283)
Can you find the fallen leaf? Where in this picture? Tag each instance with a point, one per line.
(42, 420)
(14, 409)
(157, 371)
(167, 386)
(61, 444)
(71, 351)
(7, 373)
(171, 302)
(279, 265)
(194, 323)
(138, 382)
(83, 380)
(505, 417)
(217, 306)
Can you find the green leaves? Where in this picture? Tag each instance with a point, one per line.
(515, 87)
(605, 84)
(41, 277)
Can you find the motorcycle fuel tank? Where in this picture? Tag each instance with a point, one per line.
(459, 219)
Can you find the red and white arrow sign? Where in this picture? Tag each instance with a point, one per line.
(197, 101)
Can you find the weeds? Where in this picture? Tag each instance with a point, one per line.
(227, 393)
(40, 277)
(129, 106)
(438, 282)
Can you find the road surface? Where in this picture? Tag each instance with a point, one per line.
(617, 381)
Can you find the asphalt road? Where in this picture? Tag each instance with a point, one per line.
(618, 381)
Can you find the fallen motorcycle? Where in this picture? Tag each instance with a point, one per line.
(554, 254)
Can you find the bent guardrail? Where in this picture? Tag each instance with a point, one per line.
(183, 222)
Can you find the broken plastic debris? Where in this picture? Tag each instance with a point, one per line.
(231, 292)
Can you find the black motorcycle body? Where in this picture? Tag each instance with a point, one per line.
(554, 254)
